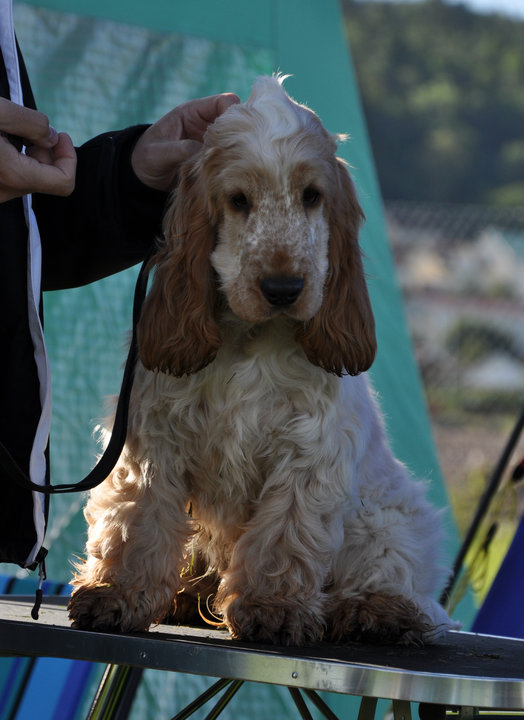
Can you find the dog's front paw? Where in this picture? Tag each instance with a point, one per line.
(264, 622)
(105, 608)
(379, 618)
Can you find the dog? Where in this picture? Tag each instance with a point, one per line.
(256, 473)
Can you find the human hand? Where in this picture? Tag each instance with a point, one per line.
(174, 138)
(49, 165)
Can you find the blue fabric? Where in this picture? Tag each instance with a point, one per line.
(47, 688)
(502, 612)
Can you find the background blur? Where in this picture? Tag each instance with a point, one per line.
(442, 88)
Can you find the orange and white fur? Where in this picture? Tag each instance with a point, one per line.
(256, 467)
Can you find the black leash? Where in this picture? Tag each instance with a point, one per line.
(108, 460)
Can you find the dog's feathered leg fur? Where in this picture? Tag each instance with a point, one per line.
(138, 531)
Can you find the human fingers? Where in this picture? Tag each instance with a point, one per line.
(31, 126)
(190, 120)
(174, 138)
(196, 115)
(51, 172)
(57, 167)
(64, 162)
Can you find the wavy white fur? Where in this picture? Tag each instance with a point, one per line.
(256, 467)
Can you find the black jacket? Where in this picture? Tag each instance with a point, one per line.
(106, 225)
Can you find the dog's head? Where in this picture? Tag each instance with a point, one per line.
(266, 216)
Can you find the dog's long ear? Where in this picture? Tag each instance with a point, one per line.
(178, 331)
(341, 336)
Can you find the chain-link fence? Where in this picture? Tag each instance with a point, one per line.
(461, 268)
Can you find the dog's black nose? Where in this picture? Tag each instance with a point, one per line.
(281, 290)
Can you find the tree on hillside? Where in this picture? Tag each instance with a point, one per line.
(443, 94)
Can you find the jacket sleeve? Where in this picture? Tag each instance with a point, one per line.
(109, 221)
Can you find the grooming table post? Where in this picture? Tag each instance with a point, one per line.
(401, 710)
(368, 706)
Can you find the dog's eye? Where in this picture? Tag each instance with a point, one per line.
(239, 201)
(310, 197)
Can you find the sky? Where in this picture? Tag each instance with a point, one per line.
(514, 8)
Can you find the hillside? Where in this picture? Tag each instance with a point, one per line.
(443, 94)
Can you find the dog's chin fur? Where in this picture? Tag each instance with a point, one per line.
(256, 473)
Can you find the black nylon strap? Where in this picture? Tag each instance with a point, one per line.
(118, 435)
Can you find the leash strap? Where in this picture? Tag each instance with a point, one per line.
(118, 435)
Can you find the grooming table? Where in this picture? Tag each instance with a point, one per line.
(465, 672)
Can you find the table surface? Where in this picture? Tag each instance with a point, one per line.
(463, 669)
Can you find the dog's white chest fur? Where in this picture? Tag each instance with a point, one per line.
(257, 406)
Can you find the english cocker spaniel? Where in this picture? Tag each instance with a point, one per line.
(256, 472)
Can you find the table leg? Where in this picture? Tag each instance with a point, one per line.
(367, 708)
(401, 710)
